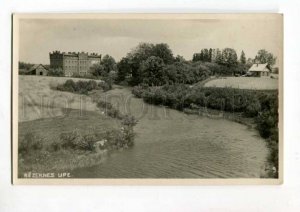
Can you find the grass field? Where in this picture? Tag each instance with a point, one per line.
(38, 99)
(257, 83)
(47, 113)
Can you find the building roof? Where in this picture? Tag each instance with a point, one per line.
(259, 67)
(35, 67)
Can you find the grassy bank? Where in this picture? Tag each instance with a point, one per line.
(259, 106)
(72, 141)
(40, 141)
(76, 138)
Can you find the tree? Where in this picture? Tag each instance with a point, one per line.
(210, 55)
(152, 71)
(108, 63)
(144, 51)
(229, 57)
(135, 57)
(163, 51)
(23, 65)
(179, 58)
(218, 56)
(196, 57)
(123, 69)
(243, 58)
(97, 70)
(58, 72)
(206, 57)
(249, 63)
(264, 56)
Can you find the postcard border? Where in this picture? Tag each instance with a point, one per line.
(124, 181)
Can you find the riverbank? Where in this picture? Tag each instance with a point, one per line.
(60, 130)
(168, 143)
(40, 141)
(256, 108)
(172, 144)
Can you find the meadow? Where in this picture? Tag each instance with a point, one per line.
(39, 98)
(253, 83)
(46, 115)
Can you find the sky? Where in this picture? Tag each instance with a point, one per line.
(116, 37)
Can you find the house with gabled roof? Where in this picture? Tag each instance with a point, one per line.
(38, 69)
(259, 70)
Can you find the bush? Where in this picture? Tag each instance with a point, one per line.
(138, 91)
(75, 140)
(253, 108)
(82, 87)
(30, 142)
(71, 139)
(85, 76)
(105, 86)
(56, 73)
(55, 146)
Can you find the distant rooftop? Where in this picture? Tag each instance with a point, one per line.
(259, 67)
(75, 53)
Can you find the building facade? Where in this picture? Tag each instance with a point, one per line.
(73, 63)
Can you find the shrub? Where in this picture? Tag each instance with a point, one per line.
(253, 108)
(104, 104)
(75, 140)
(138, 91)
(105, 86)
(70, 140)
(56, 72)
(82, 87)
(30, 142)
(85, 76)
(129, 120)
(55, 146)
(88, 142)
(109, 109)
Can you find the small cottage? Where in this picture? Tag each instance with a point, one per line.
(259, 70)
(38, 69)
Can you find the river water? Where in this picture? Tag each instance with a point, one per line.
(171, 144)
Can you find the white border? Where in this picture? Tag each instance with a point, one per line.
(177, 181)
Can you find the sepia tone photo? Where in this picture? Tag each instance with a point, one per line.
(147, 98)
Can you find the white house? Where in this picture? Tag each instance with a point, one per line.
(259, 70)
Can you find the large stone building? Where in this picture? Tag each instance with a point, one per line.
(73, 63)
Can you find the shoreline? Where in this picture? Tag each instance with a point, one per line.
(238, 118)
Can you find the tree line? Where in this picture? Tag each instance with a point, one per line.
(155, 64)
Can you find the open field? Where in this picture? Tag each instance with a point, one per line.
(38, 100)
(50, 130)
(47, 114)
(257, 83)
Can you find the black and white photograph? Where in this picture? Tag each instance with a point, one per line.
(147, 98)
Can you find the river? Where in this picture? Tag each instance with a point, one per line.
(171, 144)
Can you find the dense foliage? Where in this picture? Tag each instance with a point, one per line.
(264, 56)
(56, 72)
(155, 65)
(105, 67)
(26, 66)
(83, 87)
